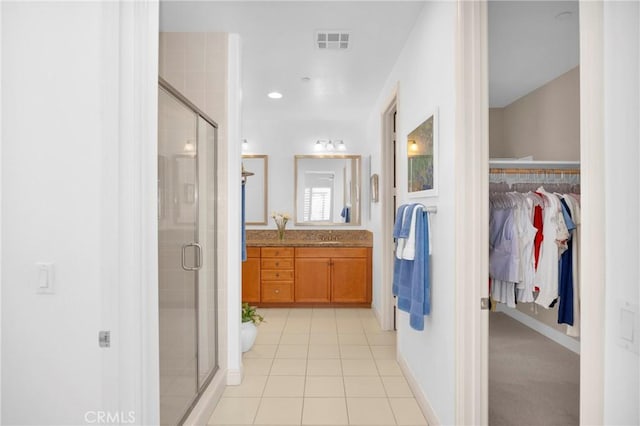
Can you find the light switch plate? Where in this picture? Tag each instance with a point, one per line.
(45, 278)
(629, 326)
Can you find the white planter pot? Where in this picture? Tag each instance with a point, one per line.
(248, 333)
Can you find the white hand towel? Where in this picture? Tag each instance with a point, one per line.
(430, 233)
(409, 252)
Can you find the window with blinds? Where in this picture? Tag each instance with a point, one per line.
(317, 204)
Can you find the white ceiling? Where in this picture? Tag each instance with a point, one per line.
(278, 50)
(529, 47)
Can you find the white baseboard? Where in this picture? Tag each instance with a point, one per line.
(562, 339)
(421, 398)
(234, 377)
(378, 315)
(203, 410)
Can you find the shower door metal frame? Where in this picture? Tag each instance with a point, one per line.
(162, 83)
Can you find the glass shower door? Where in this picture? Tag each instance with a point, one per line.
(207, 297)
(179, 256)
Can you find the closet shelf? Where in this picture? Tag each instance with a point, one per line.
(529, 165)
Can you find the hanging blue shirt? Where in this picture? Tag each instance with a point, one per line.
(565, 275)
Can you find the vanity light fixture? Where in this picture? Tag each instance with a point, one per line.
(414, 146)
(245, 145)
(329, 146)
(275, 95)
(189, 147)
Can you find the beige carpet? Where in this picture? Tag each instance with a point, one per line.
(532, 379)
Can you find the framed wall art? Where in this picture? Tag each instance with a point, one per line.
(422, 158)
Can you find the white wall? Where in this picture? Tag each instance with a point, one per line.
(1, 139)
(78, 123)
(622, 195)
(281, 140)
(425, 75)
(544, 123)
(51, 212)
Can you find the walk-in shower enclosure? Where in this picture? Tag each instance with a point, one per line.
(187, 244)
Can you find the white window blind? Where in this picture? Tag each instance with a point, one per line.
(317, 204)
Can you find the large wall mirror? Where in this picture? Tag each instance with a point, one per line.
(256, 189)
(327, 190)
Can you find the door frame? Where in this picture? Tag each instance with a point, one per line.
(471, 401)
(130, 304)
(472, 213)
(386, 197)
(592, 213)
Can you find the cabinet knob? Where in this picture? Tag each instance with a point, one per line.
(277, 275)
(277, 291)
(277, 263)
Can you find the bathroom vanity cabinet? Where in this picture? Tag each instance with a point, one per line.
(251, 276)
(308, 276)
(333, 275)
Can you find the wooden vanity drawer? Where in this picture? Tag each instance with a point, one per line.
(277, 275)
(331, 252)
(277, 251)
(277, 292)
(277, 263)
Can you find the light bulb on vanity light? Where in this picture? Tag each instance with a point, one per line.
(245, 145)
(341, 146)
(414, 146)
(330, 146)
(318, 146)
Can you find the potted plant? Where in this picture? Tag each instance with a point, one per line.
(248, 332)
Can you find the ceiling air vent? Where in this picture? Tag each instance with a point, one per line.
(334, 40)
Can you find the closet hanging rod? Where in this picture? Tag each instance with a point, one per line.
(498, 171)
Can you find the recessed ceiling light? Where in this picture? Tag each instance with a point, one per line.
(275, 95)
(563, 16)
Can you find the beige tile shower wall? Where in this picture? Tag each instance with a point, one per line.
(196, 65)
(544, 123)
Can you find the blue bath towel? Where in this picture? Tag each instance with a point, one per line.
(412, 277)
(346, 214)
(398, 266)
(406, 222)
(398, 225)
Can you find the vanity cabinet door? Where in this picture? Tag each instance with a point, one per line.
(251, 276)
(313, 280)
(349, 280)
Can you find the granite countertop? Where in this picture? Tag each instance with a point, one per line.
(313, 238)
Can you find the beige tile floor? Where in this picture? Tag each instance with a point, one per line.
(320, 367)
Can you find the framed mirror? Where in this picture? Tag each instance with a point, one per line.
(327, 190)
(256, 187)
(422, 158)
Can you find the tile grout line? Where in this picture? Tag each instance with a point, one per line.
(344, 385)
